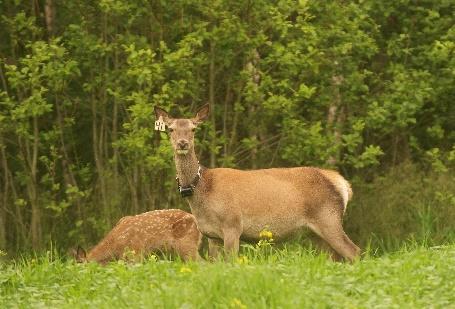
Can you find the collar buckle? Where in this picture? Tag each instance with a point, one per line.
(186, 191)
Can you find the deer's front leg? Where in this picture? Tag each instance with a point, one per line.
(231, 241)
(214, 248)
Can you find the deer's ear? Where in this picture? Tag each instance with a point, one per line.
(202, 114)
(159, 112)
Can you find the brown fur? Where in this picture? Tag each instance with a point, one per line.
(231, 204)
(208, 181)
(170, 230)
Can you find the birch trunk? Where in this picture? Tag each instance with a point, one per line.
(335, 119)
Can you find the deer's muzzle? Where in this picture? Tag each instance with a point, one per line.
(182, 147)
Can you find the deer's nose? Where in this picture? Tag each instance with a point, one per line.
(182, 144)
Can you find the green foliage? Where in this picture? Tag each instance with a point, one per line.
(360, 86)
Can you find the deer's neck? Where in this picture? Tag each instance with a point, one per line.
(186, 167)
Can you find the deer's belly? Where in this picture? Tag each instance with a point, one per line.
(279, 227)
(276, 210)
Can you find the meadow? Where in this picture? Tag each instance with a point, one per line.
(262, 277)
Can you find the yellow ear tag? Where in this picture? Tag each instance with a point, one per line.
(160, 125)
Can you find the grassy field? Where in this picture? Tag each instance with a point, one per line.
(285, 278)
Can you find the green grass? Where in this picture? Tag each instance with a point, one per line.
(287, 278)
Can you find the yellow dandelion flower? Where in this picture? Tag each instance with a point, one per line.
(236, 303)
(185, 269)
(266, 234)
(153, 257)
(242, 259)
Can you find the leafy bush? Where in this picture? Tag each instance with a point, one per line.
(405, 204)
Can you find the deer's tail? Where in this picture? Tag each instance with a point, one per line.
(341, 184)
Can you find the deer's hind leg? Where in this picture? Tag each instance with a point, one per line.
(328, 226)
(322, 246)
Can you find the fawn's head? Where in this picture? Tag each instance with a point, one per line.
(181, 130)
(78, 254)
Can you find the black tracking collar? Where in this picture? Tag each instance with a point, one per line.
(189, 190)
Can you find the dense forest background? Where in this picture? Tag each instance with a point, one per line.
(366, 87)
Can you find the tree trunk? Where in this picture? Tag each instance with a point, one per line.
(97, 156)
(212, 104)
(132, 183)
(49, 14)
(21, 228)
(136, 187)
(227, 99)
(68, 175)
(253, 126)
(35, 225)
(3, 196)
(233, 134)
(335, 119)
(253, 135)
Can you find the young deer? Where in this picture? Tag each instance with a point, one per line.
(232, 205)
(170, 230)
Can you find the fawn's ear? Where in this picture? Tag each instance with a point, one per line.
(159, 112)
(202, 114)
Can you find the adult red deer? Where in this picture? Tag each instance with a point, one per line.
(232, 205)
(169, 230)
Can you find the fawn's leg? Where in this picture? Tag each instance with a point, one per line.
(191, 255)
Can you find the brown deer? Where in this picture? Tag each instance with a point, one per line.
(168, 231)
(232, 205)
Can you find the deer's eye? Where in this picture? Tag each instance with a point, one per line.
(170, 130)
(193, 129)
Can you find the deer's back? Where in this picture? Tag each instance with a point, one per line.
(277, 183)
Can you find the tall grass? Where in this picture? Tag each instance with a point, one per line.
(291, 277)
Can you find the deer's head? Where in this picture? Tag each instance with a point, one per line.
(181, 130)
